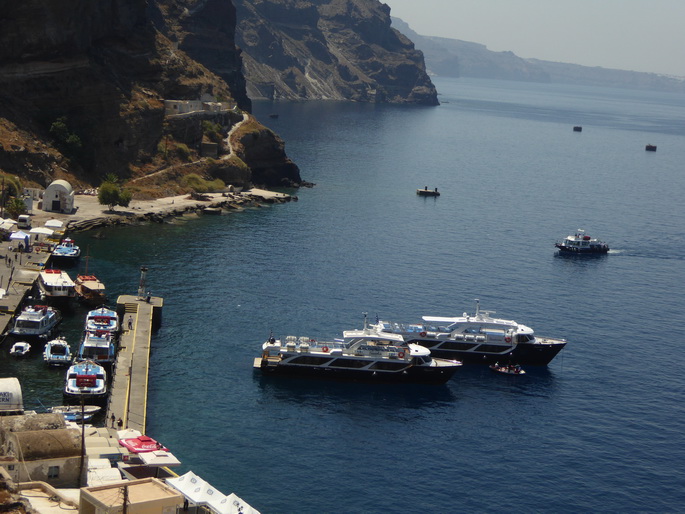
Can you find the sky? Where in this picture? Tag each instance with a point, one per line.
(637, 35)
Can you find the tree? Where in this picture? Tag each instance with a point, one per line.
(15, 207)
(110, 195)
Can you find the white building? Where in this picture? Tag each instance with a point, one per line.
(59, 197)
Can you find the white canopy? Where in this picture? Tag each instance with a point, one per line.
(159, 458)
(20, 236)
(54, 224)
(201, 493)
(42, 230)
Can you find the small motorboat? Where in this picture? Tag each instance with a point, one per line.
(581, 244)
(98, 346)
(428, 192)
(57, 352)
(76, 412)
(66, 250)
(650, 148)
(507, 369)
(20, 349)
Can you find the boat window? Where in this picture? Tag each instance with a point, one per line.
(493, 348)
(349, 363)
(26, 323)
(310, 360)
(523, 338)
(388, 366)
(449, 345)
(428, 344)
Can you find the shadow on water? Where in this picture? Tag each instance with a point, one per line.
(302, 391)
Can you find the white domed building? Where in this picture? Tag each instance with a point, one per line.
(59, 197)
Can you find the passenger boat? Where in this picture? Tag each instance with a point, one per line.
(20, 349)
(427, 192)
(507, 369)
(102, 319)
(76, 412)
(360, 355)
(66, 251)
(86, 380)
(90, 290)
(97, 346)
(57, 352)
(477, 339)
(581, 244)
(36, 321)
(56, 285)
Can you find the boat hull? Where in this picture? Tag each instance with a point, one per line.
(528, 354)
(410, 374)
(582, 251)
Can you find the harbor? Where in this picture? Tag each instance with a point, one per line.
(117, 446)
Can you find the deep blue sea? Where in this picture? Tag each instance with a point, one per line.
(602, 429)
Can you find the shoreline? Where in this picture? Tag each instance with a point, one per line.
(90, 214)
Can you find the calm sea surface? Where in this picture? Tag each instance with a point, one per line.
(600, 429)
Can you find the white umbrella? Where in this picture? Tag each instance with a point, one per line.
(42, 230)
(54, 224)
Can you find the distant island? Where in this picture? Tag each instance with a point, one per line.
(455, 58)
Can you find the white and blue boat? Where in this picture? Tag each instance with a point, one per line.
(36, 321)
(86, 380)
(66, 250)
(102, 319)
(97, 346)
(57, 352)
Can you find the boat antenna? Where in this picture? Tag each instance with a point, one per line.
(477, 306)
(365, 320)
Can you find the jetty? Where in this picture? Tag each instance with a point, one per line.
(140, 316)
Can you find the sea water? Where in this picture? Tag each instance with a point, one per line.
(599, 429)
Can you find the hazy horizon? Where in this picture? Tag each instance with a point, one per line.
(636, 35)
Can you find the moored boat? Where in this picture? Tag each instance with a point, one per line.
(86, 380)
(57, 352)
(477, 338)
(360, 355)
(66, 251)
(90, 290)
(20, 349)
(36, 321)
(97, 346)
(76, 412)
(581, 244)
(56, 285)
(102, 319)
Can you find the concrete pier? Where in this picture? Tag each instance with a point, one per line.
(129, 386)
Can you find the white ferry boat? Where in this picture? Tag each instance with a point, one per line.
(477, 339)
(361, 355)
(102, 319)
(86, 380)
(97, 346)
(581, 244)
(56, 285)
(36, 321)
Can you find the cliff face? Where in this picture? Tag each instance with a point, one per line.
(101, 71)
(329, 49)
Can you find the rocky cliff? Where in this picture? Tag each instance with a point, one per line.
(82, 85)
(329, 49)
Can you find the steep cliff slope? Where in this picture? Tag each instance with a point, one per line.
(329, 49)
(82, 86)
